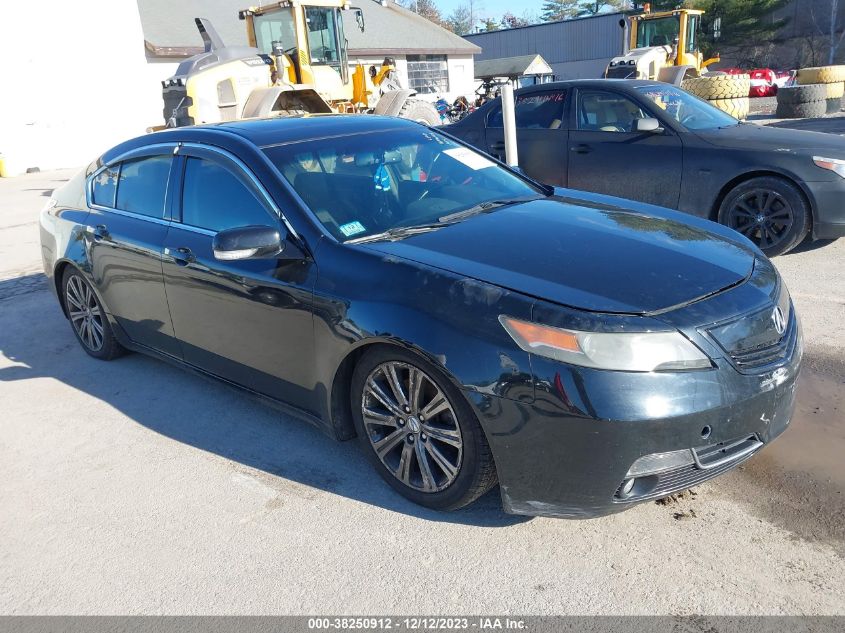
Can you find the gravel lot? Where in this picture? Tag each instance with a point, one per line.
(136, 488)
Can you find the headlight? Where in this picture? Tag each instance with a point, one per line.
(831, 164)
(625, 351)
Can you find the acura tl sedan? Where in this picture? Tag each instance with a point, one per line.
(655, 143)
(381, 280)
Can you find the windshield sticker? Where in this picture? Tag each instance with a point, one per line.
(352, 228)
(469, 158)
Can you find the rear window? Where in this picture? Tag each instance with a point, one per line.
(142, 184)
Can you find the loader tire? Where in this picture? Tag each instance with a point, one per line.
(833, 105)
(420, 111)
(834, 91)
(789, 95)
(737, 108)
(808, 110)
(821, 75)
(718, 87)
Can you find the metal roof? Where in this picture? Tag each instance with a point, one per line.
(512, 67)
(169, 29)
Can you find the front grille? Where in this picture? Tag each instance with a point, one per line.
(711, 461)
(766, 354)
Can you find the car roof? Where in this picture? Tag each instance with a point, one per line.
(268, 132)
(590, 83)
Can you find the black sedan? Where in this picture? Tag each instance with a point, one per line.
(379, 279)
(655, 143)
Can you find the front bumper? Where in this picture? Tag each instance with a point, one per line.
(568, 453)
(829, 219)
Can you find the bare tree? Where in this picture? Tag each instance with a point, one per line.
(828, 29)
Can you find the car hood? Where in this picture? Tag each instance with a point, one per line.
(590, 256)
(750, 136)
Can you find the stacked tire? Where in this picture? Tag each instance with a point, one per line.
(726, 92)
(832, 77)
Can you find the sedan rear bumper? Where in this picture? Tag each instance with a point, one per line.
(556, 457)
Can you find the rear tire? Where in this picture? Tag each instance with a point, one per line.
(769, 211)
(420, 432)
(88, 318)
(420, 111)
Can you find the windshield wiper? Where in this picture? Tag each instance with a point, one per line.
(397, 233)
(482, 207)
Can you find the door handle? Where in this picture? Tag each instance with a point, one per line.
(99, 232)
(182, 255)
(582, 148)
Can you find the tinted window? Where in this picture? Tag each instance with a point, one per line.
(142, 185)
(542, 110)
(105, 186)
(607, 112)
(214, 198)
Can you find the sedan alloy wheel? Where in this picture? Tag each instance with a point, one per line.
(412, 426)
(84, 313)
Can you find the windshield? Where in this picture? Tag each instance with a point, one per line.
(276, 26)
(365, 184)
(691, 112)
(658, 32)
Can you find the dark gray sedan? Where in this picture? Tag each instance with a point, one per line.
(655, 143)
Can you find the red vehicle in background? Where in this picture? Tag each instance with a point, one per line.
(764, 81)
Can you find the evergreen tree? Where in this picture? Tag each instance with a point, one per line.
(559, 10)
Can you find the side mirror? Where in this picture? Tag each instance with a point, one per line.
(359, 17)
(248, 242)
(648, 125)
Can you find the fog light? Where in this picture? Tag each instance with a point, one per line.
(627, 487)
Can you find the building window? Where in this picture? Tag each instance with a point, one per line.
(428, 74)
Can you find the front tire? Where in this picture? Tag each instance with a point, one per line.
(419, 431)
(771, 212)
(88, 318)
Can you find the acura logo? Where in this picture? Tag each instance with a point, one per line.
(779, 320)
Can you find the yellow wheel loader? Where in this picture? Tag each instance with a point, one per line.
(661, 46)
(297, 63)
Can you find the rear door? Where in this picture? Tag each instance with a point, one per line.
(247, 321)
(540, 132)
(126, 229)
(607, 156)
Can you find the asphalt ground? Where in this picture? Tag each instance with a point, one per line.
(136, 488)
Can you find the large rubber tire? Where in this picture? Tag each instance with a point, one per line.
(833, 105)
(788, 193)
(809, 110)
(834, 91)
(801, 94)
(476, 473)
(821, 75)
(420, 111)
(74, 284)
(737, 108)
(718, 87)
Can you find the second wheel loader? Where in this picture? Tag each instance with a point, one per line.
(297, 63)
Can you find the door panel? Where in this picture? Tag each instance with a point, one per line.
(541, 135)
(247, 321)
(126, 265)
(605, 156)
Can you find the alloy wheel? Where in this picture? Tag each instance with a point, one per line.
(85, 313)
(763, 216)
(412, 426)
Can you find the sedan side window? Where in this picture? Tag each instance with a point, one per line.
(104, 187)
(214, 198)
(600, 111)
(542, 110)
(142, 185)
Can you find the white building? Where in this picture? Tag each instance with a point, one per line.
(88, 74)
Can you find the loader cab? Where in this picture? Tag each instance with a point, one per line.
(677, 29)
(311, 35)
